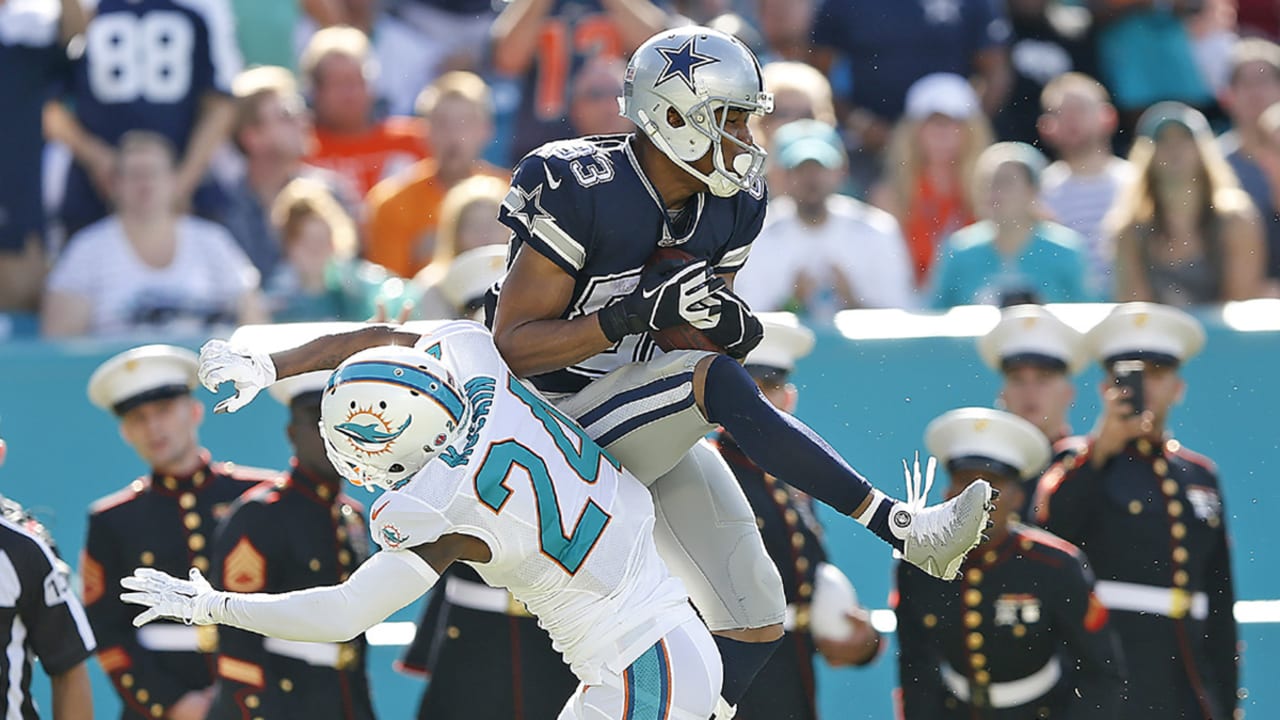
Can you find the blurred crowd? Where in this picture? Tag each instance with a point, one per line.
(179, 167)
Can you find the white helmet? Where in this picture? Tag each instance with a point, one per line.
(697, 71)
(386, 411)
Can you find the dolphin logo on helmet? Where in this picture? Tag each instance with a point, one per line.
(386, 412)
(368, 434)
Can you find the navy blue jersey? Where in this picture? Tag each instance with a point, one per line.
(147, 64)
(32, 61)
(587, 206)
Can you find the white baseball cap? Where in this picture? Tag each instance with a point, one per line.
(986, 439)
(941, 94)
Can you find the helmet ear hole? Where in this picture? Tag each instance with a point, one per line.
(674, 119)
(396, 468)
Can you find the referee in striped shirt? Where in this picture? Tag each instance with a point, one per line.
(39, 617)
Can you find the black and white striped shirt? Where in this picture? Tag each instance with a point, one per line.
(40, 617)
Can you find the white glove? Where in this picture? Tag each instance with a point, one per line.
(191, 601)
(251, 371)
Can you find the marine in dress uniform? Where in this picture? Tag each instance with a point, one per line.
(466, 623)
(785, 688)
(1021, 634)
(1036, 355)
(1149, 514)
(163, 520)
(292, 533)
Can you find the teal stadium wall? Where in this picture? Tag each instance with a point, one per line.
(870, 391)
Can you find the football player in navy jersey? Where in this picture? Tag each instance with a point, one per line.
(575, 313)
(159, 65)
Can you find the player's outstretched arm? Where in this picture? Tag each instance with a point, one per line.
(385, 583)
(252, 370)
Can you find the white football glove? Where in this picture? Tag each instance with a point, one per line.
(250, 370)
(192, 601)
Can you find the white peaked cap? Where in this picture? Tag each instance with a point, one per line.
(785, 341)
(983, 435)
(1032, 334)
(471, 273)
(1145, 331)
(136, 376)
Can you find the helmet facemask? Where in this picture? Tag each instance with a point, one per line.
(748, 166)
(697, 75)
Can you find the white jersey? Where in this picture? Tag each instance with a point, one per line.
(571, 532)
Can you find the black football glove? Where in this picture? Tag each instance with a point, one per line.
(669, 294)
(738, 330)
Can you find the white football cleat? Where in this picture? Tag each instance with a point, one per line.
(936, 539)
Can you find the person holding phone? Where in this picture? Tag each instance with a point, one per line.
(1149, 514)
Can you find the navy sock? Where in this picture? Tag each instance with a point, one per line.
(787, 449)
(742, 661)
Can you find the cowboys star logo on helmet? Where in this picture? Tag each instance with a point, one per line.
(686, 119)
(682, 61)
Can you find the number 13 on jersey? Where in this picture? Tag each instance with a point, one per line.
(568, 548)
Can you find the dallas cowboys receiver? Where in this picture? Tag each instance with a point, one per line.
(575, 311)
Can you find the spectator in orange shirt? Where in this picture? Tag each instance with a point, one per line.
(338, 67)
(404, 210)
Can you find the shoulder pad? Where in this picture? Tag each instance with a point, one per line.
(121, 496)
(566, 150)
(399, 522)
(13, 511)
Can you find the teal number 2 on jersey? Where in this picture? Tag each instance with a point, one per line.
(491, 481)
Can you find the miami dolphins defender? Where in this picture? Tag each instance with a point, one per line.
(480, 469)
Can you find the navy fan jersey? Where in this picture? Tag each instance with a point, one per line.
(146, 66)
(32, 63)
(587, 206)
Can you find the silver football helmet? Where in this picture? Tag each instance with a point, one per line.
(697, 72)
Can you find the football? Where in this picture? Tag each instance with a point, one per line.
(686, 336)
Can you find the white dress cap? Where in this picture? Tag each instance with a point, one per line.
(143, 374)
(983, 438)
(785, 341)
(1031, 334)
(1145, 331)
(472, 273)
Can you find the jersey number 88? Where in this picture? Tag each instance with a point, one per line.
(144, 57)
